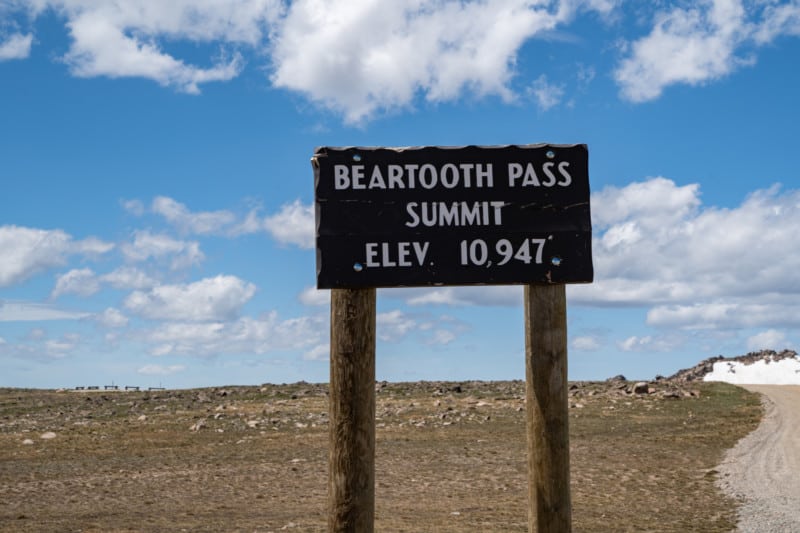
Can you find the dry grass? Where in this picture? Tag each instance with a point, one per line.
(446, 461)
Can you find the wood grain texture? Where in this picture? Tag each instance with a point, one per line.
(549, 502)
(351, 459)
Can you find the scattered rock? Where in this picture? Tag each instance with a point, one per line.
(142, 418)
(27, 442)
(47, 436)
(197, 426)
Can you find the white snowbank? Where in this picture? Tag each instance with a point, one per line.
(783, 372)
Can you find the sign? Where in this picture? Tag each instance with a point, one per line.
(400, 217)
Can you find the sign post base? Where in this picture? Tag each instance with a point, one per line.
(547, 408)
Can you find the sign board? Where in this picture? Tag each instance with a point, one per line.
(401, 217)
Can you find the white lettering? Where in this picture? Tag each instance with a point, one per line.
(385, 254)
(414, 217)
(376, 180)
(371, 254)
(551, 179)
(453, 171)
(481, 173)
(562, 169)
(429, 171)
(358, 177)
(420, 252)
(341, 177)
(442, 214)
(530, 176)
(514, 173)
(396, 177)
(386, 261)
(402, 254)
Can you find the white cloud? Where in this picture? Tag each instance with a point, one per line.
(547, 95)
(778, 19)
(654, 244)
(121, 39)
(770, 339)
(112, 318)
(585, 344)
(502, 295)
(134, 207)
(394, 51)
(701, 43)
(147, 245)
(16, 46)
(320, 352)
(82, 282)
(315, 297)
(27, 251)
(293, 224)
(210, 299)
(60, 348)
(35, 312)
(128, 278)
(687, 45)
(160, 370)
(441, 337)
(245, 335)
(394, 325)
(206, 222)
(650, 344)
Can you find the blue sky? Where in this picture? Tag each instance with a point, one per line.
(156, 215)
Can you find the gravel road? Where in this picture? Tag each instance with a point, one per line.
(764, 467)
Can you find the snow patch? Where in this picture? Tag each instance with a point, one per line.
(783, 372)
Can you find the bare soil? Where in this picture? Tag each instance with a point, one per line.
(450, 457)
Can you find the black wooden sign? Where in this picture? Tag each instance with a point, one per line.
(399, 217)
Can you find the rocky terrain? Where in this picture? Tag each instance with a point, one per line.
(450, 457)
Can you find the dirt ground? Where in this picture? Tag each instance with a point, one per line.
(763, 467)
(450, 457)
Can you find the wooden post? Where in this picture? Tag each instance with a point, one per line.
(351, 459)
(549, 504)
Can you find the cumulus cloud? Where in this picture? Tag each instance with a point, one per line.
(210, 299)
(655, 244)
(315, 297)
(127, 277)
(61, 347)
(203, 223)
(650, 344)
(393, 325)
(244, 335)
(27, 251)
(147, 245)
(82, 282)
(111, 318)
(394, 51)
(320, 352)
(585, 343)
(293, 224)
(16, 46)
(700, 43)
(123, 39)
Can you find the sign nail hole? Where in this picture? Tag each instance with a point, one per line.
(356, 157)
(358, 267)
(550, 154)
(556, 261)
